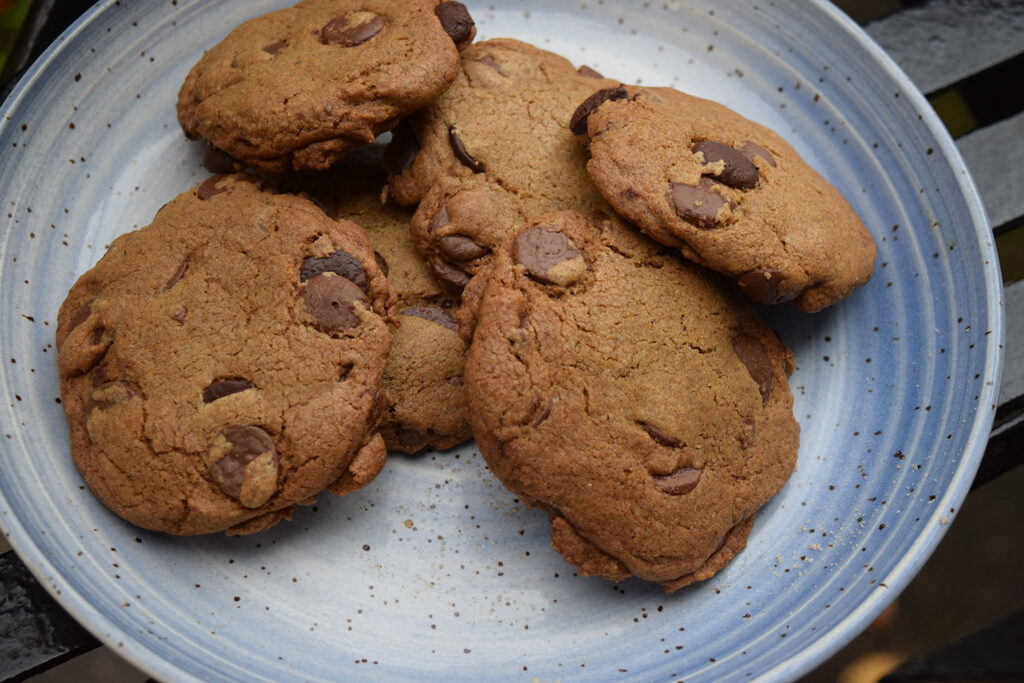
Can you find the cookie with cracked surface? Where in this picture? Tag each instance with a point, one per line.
(728, 193)
(224, 364)
(492, 152)
(680, 415)
(300, 87)
(423, 375)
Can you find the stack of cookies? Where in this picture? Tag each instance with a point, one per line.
(543, 259)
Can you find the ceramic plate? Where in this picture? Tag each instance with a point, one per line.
(434, 571)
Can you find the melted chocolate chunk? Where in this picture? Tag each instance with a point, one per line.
(210, 187)
(439, 219)
(108, 393)
(460, 248)
(698, 204)
(754, 357)
(752, 149)
(661, 437)
(489, 60)
(178, 274)
(455, 21)
(247, 442)
(275, 49)
(381, 263)
(218, 161)
(331, 301)
(447, 273)
(679, 483)
(578, 122)
(340, 263)
(412, 438)
(738, 172)
(224, 387)
(81, 314)
(540, 410)
(354, 28)
(459, 149)
(379, 407)
(763, 286)
(434, 315)
(540, 249)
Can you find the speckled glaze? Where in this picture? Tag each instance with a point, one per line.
(434, 571)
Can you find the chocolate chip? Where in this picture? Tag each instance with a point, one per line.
(588, 72)
(439, 219)
(179, 315)
(218, 161)
(752, 149)
(434, 315)
(540, 410)
(738, 170)
(378, 407)
(578, 122)
(340, 263)
(459, 149)
(98, 376)
(680, 482)
(275, 48)
(235, 448)
(178, 274)
(455, 21)
(763, 286)
(209, 187)
(661, 437)
(489, 60)
(754, 357)
(411, 438)
(354, 28)
(81, 314)
(224, 387)
(402, 150)
(381, 262)
(331, 301)
(109, 393)
(698, 204)
(542, 249)
(460, 248)
(445, 272)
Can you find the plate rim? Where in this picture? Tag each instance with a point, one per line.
(922, 549)
(136, 651)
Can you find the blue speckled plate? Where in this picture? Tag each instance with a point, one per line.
(434, 571)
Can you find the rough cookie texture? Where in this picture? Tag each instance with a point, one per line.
(728, 193)
(623, 391)
(300, 87)
(492, 152)
(224, 363)
(423, 376)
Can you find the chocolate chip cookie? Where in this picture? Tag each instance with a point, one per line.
(423, 375)
(493, 151)
(299, 87)
(728, 193)
(626, 393)
(224, 364)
